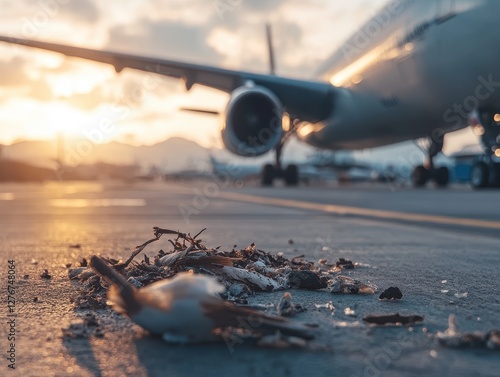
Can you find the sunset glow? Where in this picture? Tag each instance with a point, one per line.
(43, 94)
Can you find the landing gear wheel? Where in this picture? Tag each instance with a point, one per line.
(291, 175)
(268, 175)
(495, 175)
(442, 176)
(420, 176)
(479, 176)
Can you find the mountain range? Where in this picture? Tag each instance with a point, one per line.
(170, 155)
(177, 154)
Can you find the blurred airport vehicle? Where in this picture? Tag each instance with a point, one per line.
(413, 71)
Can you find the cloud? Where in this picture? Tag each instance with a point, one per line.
(12, 72)
(14, 80)
(76, 10)
(84, 10)
(171, 40)
(262, 5)
(187, 30)
(88, 101)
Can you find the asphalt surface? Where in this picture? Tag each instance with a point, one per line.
(433, 244)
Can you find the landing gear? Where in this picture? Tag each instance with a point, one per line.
(290, 175)
(479, 177)
(271, 172)
(420, 176)
(423, 174)
(442, 176)
(268, 175)
(486, 170)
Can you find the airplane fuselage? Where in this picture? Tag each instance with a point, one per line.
(417, 69)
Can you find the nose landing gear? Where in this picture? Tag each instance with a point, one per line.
(423, 174)
(271, 172)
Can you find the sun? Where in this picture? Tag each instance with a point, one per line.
(63, 120)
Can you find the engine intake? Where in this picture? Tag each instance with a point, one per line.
(252, 121)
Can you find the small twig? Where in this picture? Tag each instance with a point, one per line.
(158, 232)
(136, 252)
(200, 232)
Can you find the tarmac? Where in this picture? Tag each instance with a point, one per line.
(440, 247)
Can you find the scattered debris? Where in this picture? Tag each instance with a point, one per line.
(347, 285)
(83, 328)
(35, 299)
(26, 277)
(349, 312)
(290, 242)
(136, 283)
(344, 264)
(493, 342)
(75, 246)
(243, 272)
(237, 291)
(92, 295)
(461, 295)
(346, 324)
(286, 308)
(453, 338)
(199, 295)
(45, 275)
(254, 280)
(329, 305)
(391, 294)
(305, 279)
(393, 319)
(68, 265)
(90, 320)
(74, 273)
(34, 261)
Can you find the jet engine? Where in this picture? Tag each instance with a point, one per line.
(252, 122)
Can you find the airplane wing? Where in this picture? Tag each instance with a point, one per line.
(306, 100)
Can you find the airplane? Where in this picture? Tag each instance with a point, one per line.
(417, 69)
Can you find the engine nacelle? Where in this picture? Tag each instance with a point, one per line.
(252, 122)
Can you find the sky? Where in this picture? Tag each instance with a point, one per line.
(44, 94)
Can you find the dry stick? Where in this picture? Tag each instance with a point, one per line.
(158, 232)
(200, 232)
(137, 250)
